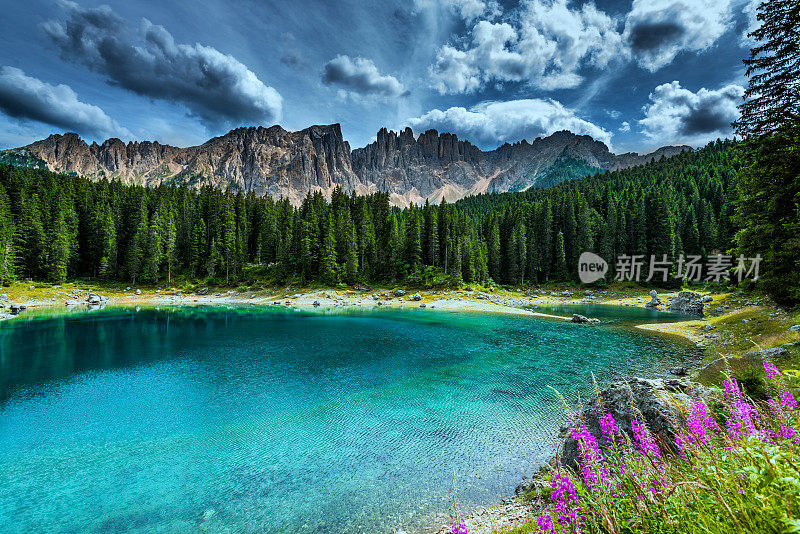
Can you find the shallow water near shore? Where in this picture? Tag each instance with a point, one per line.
(254, 419)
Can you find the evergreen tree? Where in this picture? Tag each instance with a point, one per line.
(6, 239)
(59, 249)
(135, 253)
(767, 213)
(351, 252)
(772, 97)
(229, 240)
(169, 247)
(153, 250)
(494, 250)
(108, 244)
(328, 266)
(560, 268)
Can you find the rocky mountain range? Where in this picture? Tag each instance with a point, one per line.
(280, 163)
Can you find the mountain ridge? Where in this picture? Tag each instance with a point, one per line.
(282, 163)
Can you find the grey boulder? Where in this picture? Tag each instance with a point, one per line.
(660, 404)
(687, 302)
(582, 319)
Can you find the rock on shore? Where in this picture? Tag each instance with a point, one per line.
(688, 302)
(660, 404)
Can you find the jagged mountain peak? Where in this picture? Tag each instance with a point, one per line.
(411, 167)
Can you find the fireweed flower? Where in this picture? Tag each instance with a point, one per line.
(786, 432)
(593, 471)
(771, 370)
(545, 523)
(741, 424)
(645, 440)
(610, 428)
(459, 528)
(566, 501)
(787, 401)
(699, 423)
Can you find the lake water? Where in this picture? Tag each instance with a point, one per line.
(261, 420)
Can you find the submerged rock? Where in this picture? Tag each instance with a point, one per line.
(679, 371)
(660, 404)
(577, 318)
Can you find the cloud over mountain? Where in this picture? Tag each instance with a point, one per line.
(493, 123)
(27, 98)
(676, 114)
(361, 76)
(213, 86)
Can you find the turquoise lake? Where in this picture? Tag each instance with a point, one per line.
(251, 419)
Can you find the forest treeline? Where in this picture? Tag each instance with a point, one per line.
(58, 227)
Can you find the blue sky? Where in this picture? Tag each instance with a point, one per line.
(636, 75)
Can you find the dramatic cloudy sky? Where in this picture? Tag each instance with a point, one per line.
(635, 74)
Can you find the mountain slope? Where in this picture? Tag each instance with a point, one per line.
(280, 163)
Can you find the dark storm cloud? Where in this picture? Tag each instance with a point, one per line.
(27, 98)
(658, 30)
(214, 86)
(361, 76)
(711, 115)
(678, 114)
(649, 36)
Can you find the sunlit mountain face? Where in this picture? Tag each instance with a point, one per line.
(635, 76)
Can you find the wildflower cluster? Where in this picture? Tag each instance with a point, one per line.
(735, 475)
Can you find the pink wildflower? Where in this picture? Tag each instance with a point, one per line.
(786, 432)
(788, 401)
(459, 528)
(545, 523)
(645, 440)
(610, 428)
(771, 370)
(566, 501)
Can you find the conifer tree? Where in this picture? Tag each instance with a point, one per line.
(6, 239)
(328, 265)
(169, 247)
(229, 240)
(108, 244)
(351, 252)
(767, 214)
(560, 267)
(494, 250)
(135, 253)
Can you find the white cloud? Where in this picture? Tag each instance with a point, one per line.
(657, 30)
(677, 115)
(545, 47)
(361, 76)
(468, 10)
(493, 123)
(26, 98)
(750, 12)
(625, 126)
